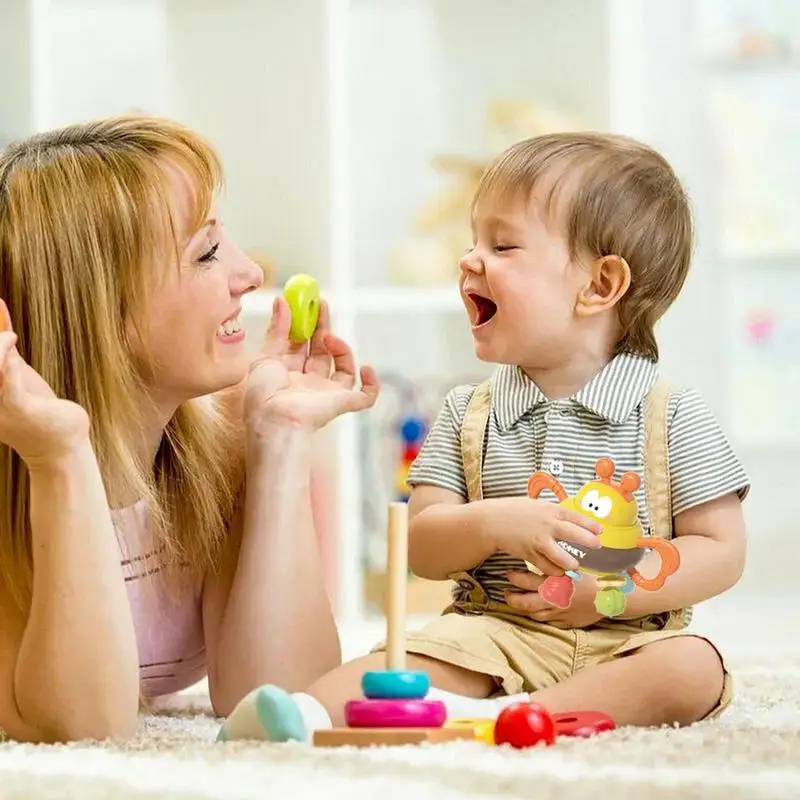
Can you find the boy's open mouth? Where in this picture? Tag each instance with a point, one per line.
(485, 309)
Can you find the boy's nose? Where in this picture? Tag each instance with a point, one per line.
(471, 262)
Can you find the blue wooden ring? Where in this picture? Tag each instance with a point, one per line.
(395, 684)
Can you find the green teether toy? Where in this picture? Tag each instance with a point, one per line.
(302, 294)
(610, 602)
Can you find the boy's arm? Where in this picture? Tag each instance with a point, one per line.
(446, 534)
(707, 486)
(711, 541)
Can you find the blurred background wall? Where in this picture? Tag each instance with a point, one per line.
(352, 133)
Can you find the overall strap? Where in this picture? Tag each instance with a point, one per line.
(473, 432)
(657, 480)
(656, 460)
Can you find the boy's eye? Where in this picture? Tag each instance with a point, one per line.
(502, 248)
(209, 256)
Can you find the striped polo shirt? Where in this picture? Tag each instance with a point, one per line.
(527, 433)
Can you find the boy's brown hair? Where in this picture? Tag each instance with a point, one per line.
(613, 196)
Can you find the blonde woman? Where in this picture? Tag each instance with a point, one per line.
(155, 521)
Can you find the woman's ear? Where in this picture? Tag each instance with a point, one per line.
(609, 279)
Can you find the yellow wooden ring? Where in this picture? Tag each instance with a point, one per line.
(482, 729)
(302, 294)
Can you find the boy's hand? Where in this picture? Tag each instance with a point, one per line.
(529, 529)
(580, 614)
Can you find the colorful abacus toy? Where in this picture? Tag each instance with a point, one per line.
(395, 708)
(412, 434)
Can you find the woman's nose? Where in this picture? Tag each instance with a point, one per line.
(246, 276)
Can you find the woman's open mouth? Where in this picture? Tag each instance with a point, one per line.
(484, 309)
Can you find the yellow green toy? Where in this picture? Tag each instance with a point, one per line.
(302, 294)
(623, 542)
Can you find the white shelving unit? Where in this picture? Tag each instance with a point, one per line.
(328, 114)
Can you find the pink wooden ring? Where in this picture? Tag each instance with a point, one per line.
(395, 713)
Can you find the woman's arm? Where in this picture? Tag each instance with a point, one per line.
(267, 614)
(71, 670)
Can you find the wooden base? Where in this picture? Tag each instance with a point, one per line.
(369, 737)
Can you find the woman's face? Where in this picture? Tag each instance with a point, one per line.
(195, 340)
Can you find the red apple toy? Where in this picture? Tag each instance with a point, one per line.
(524, 725)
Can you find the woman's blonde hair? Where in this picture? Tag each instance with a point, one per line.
(86, 232)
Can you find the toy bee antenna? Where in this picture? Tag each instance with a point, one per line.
(628, 483)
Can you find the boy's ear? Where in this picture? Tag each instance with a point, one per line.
(609, 279)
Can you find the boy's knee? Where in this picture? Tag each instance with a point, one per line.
(694, 677)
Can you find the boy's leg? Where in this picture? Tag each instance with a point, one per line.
(465, 658)
(677, 680)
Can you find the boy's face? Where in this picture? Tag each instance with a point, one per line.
(520, 286)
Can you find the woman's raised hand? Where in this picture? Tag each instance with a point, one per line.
(33, 421)
(304, 385)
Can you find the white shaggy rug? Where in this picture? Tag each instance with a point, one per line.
(752, 752)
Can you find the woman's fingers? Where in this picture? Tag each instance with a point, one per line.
(276, 343)
(5, 317)
(276, 337)
(344, 364)
(7, 342)
(321, 331)
(319, 359)
(370, 385)
(363, 398)
(12, 374)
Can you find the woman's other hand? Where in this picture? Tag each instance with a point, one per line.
(301, 385)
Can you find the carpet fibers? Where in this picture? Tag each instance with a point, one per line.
(753, 751)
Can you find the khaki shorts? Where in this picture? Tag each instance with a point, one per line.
(525, 656)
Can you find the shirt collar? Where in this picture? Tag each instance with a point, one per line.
(612, 394)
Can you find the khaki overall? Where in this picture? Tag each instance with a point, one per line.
(523, 655)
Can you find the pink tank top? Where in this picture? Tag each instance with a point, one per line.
(168, 622)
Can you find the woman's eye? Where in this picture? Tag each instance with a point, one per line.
(211, 255)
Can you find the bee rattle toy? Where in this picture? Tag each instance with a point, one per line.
(623, 542)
